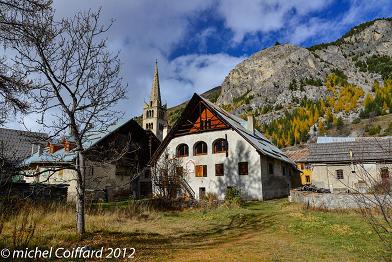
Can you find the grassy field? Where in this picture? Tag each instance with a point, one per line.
(259, 231)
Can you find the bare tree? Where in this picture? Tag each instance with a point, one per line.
(76, 79)
(169, 177)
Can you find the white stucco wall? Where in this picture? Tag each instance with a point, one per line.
(239, 151)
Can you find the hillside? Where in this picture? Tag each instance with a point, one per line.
(297, 93)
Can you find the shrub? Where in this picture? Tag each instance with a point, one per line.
(356, 120)
(373, 130)
(233, 196)
(209, 200)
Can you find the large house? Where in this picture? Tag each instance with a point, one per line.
(115, 163)
(218, 150)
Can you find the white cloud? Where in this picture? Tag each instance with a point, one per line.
(253, 16)
(330, 30)
(190, 74)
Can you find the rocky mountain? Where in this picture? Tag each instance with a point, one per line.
(270, 78)
(295, 93)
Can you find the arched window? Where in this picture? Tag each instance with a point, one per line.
(219, 146)
(182, 150)
(200, 148)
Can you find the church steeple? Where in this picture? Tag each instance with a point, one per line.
(155, 89)
(154, 113)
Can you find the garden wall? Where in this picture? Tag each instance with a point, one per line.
(333, 201)
(36, 192)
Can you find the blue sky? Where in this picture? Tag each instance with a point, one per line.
(197, 42)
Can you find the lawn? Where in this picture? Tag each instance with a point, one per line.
(259, 231)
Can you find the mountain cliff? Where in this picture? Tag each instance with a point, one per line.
(295, 93)
(266, 76)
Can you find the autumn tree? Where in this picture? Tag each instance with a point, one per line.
(76, 79)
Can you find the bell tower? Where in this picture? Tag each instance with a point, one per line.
(154, 113)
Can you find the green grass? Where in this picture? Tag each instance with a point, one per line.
(259, 231)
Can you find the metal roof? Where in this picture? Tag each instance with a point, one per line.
(333, 139)
(17, 144)
(61, 156)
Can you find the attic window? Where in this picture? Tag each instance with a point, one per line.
(205, 124)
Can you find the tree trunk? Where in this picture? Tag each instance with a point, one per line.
(80, 201)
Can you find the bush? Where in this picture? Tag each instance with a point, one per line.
(373, 130)
(233, 196)
(209, 200)
(356, 120)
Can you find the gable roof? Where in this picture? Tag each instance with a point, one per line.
(62, 156)
(372, 149)
(18, 144)
(299, 155)
(256, 139)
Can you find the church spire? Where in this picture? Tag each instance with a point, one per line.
(155, 90)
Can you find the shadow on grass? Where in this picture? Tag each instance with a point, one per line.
(154, 244)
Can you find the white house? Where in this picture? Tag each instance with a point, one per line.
(219, 150)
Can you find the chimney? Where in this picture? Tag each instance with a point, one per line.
(250, 125)
(165, 131)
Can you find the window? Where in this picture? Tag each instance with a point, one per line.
(219, 170)
(307, 179)
(201, 171)
(271, 168)
(205, 124)
(182, 150)
(243, 168)
(219, 146)
(200, 148)
(339, 174)
(202, 192)
(384, 174)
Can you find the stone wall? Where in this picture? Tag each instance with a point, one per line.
(332, 201)
(34, 191)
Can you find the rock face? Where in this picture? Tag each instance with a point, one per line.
(266, 76)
